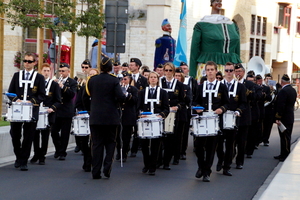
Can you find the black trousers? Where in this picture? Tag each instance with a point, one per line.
(126, 136)
(267, 128)
(225, 158)
(85, 146)
(178, 139)
(241, 140)
(136, 141)
(285, 140)
(103, 136)
(40, 149)
(205, 148)
(150, 149)
(185, 138)
(62, 125)
(22, 149)
(252, 138)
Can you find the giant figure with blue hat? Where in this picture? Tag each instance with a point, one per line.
(164, 46)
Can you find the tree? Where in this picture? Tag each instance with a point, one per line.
(25, 13)
(65, 19)
(91, 21)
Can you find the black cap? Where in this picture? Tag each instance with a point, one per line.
(126, 73)
(86, 62)
(106, 64)
(125, 64)
(117, 63)
(250, 76)
(160, 66)
(178, 70)
(219, 73)
(64, 65)
(239, 66)
(182, 64)
(258, 77)
(285, 77)
(251, 72)
(268, 75)
(136, 60)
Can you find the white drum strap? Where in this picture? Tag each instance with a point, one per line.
(168, 89)
(48, 87)
(233, 93)
(26, 83)
(210, 92)
(152, 101)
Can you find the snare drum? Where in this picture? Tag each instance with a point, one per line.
(19, 112)
(229, 119)
(149, 128)
(170, 123)
(207, 125)
(43, 121)
(81, 125)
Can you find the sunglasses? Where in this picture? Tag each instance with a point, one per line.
(219, 78)
(228, 70)
(61, 70)
(168, 70)
(124, 79)
(28, 61)
(84, 67)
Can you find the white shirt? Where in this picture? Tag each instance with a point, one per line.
(135, 76)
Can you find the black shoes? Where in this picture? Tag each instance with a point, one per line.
(24, 168)
(34, 159)
(219, 167)
(118, 157)
(133, 155)
(166, 167)
(97, 176)
(151, 173)
(42, 162)
(182, 157)
(145, 170)
(77, 149)
(227, 173)
(278, 157)
(175, 162)
(56, 155)
(198, 173)
(266, 144)
(62, 158)
(17, 164)
(239, 167)
(206, 178)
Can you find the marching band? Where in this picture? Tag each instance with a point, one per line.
(158, 112)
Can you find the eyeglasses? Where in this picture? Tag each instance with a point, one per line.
(28, 61)
(219, 78)
(124, 79)
(228, 70)
(168, 70)
(84, 67)
(61, 70)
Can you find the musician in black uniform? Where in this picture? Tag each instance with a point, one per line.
(176, 97)
(52, 102)
(63, 120)
(129, 110)
(192, 84)
(205, 147)
(269, 111)
(35, 95)
(237, 103)
(285, 116)
(102, 96)
(140, 82)
(150, 147)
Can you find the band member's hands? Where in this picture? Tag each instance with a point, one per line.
(237, 113)
(159, 116)
(219, 111)
(143, 116)
(50, 110)
(61, 85)
(19, 100)
(174, 108)
(278, 122)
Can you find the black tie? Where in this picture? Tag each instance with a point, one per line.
(27, 76)
(152, 92)
(210, 86)
(168, 84)
(228, 85)
(45, 82)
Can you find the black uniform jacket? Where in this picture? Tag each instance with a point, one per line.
(67, 94)
(53, 100)
(102, 97)
(284, 105)
(141, 83)
(36, 94)
(129, 108)
(162, 108)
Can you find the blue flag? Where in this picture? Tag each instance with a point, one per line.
(181, 47)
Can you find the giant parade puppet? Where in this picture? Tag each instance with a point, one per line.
(215, 38)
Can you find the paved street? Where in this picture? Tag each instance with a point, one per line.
(65, 179)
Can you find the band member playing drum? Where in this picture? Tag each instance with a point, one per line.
(162, 110)
(176, 95)
(52, 102)
(29, 87)
(237, 104)
(215, 98)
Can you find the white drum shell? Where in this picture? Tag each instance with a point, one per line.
(81, 125)
(229, 120)
(19, 112)
(206, 126)
(170, 123)
(149, 128)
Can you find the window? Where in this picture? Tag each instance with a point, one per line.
(284, 20)
(258, 36)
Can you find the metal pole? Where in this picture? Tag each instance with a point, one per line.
(115, 34)
(1, 58)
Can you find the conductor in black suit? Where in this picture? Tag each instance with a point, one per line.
(52, 102)
(285, 115)
(140, 82)
(35, 95)
(63, 121)
(103, 93)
